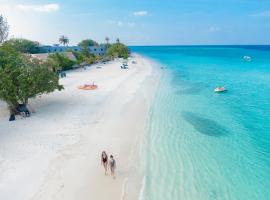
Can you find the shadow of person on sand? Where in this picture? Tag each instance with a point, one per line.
(204, 125)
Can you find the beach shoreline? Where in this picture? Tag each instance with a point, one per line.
(58, 149)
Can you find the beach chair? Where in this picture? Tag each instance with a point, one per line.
(63, 74)
(124, 66)
(23, 110)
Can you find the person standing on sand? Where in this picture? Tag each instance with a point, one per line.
(104, 161)
(112, 165)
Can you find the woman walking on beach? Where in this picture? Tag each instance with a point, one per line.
(112, 164)
(104, 161)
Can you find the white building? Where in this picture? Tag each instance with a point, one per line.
(99, 50)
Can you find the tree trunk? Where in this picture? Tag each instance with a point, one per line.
(12, 109)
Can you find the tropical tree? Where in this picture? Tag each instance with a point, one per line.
(88, 42)
(4, 29)
(24, 45)
(63, 40)
(85, 46)
(22, 78)
(90, 59)
(118, 50)
(79, 57)
(117, 40)
(59, 61)
(107, 40)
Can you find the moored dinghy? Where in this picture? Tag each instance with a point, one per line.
(220, 89)
(247, 58)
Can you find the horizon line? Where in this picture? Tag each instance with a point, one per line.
(172, 45)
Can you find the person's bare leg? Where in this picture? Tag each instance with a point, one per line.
(113, 173)
(106, 168)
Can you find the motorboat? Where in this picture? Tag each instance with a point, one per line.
(247, 58)
(220, 89)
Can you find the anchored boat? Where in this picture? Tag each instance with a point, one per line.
(220, 89)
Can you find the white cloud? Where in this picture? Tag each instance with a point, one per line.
(119, 23)
(213, 29)
(140, 13)
(263, 14)
(130, 24)
(85, 14)
(116, 23)
(38, 8)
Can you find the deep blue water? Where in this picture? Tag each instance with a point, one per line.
(203, 145)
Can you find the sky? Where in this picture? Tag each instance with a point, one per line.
(141, 22)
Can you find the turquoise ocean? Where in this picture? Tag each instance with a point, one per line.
(207, 146)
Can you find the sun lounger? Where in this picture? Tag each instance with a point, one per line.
(124, 66)
(23, 110)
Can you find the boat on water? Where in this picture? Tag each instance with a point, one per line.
(220, 89)
(247, 58)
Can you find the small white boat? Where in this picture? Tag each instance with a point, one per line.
(220, 89)
(247, 58)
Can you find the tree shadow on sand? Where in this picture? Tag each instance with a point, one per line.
(204, 125)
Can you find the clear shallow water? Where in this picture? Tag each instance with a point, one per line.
(203, 145)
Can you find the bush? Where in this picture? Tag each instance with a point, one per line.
(24, 45)
(85, 46)
(79, 57)
(118, 50)
(61, 61)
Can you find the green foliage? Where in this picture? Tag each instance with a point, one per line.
(85, 44)
(24, 45)
(10, 71)
(22, 78)
(118, 50)
(90, 59)
(60, 61)
(79, 57)
(88, 43)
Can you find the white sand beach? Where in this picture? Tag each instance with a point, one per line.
(55, 154)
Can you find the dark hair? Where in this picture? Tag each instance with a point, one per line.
(103, 153)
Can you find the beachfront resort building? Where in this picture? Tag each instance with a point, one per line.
(97, 50)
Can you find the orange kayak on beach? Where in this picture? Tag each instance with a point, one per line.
(88, 87)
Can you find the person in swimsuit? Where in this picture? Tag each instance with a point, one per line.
(112, 165)
(104, 161)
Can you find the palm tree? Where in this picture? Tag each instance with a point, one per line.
(63, 40)
(118, 40)
(107, 40)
